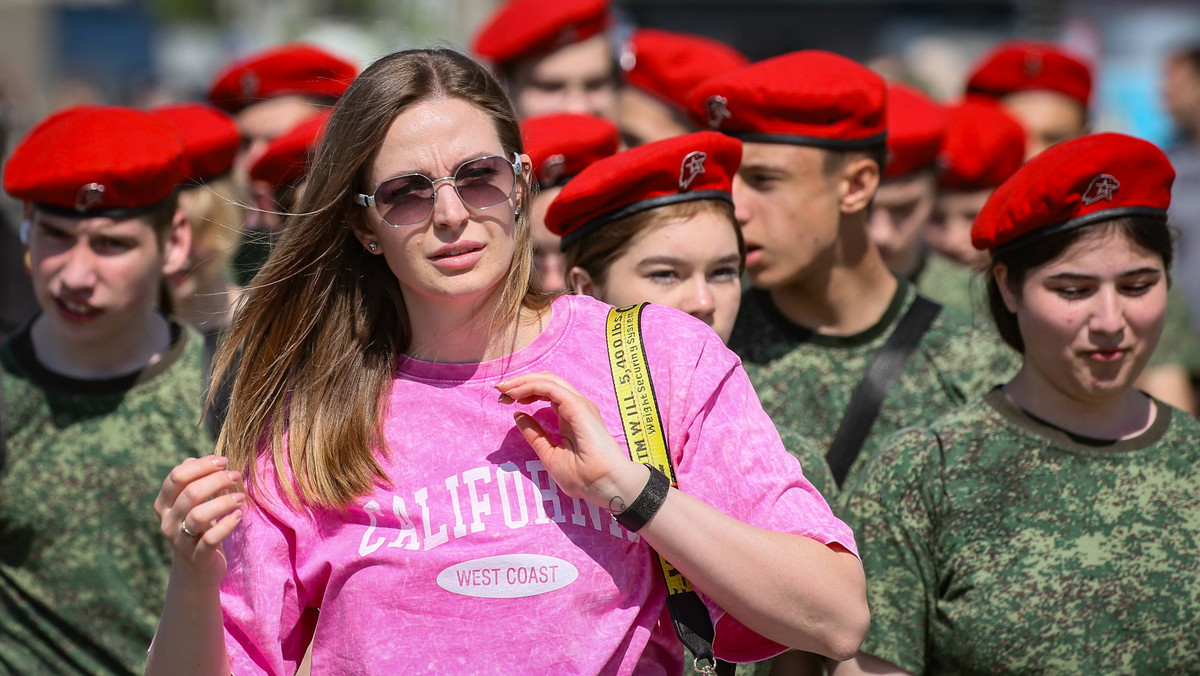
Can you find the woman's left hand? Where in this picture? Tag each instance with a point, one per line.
(587, 463)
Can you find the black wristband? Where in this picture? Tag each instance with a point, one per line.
(647, 502)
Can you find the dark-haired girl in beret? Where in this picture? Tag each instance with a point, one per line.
(1052, 526)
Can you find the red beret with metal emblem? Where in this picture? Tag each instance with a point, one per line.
(89, 160)
(916, 125)
(526, 28)
(668, 65)
(297, 69)
(679, 169)
(808, 97)
(286, 158)
(1023, 66)
(563, 144)
(1076, 183)
(210, 138)
(982, 147)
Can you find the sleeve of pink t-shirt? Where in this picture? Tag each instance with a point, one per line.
(729, 454)
(262, 600)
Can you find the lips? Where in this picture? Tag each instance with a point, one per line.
(456, 251)
(1107, 355)
(76, 311)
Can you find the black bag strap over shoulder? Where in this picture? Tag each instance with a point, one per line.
(881, 375)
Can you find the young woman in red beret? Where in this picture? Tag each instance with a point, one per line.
(430, 447)
(1050, 526)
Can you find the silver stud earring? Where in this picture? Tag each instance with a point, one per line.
(373, 247)
(517, 212)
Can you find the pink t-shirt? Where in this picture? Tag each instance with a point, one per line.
(473, 561)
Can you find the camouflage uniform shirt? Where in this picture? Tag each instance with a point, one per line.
(83, 566)
(996, 543)
(805, 379)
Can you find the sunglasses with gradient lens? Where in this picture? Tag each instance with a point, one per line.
(480, 183)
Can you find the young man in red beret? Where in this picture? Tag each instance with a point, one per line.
(825, 305)
(659, 69)
(103, 393)
(1043, 86)
(268, 93)
(982, 146)
(560, 146)
(553, 56)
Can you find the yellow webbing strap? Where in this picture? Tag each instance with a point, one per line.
(639, 408)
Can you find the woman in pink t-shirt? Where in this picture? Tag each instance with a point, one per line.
(429, 444)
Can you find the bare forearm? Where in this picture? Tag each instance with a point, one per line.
(789, 588)
(190, 637)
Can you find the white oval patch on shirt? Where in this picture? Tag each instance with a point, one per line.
(510, 576)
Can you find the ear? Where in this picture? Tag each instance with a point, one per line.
(580, 282)
(364, 234)
(177, 244)
(1000, 272)
(857, 183)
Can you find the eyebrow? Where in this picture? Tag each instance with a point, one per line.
(1074, 276)
(414, 172)
(674, 260)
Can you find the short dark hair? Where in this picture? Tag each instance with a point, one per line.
(1152, 234)
(836, 159)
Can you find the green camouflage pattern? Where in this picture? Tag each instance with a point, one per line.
(83, 566)
(952, 284)
(805, 380)
(1179, 345)
(995, 543)
(812, 460)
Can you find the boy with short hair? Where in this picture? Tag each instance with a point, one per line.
(103, 393)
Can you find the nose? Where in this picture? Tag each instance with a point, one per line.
(1108, 314)
(698, 301)
(448, 208)
(78, 269)
(576, 100)
(741, 202)
(880, 227)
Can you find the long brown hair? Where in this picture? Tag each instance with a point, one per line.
(323, 323)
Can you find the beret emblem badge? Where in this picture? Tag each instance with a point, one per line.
(717, 108)
(89, 196)
(1101, 188)
(553, 168)
(691, 167)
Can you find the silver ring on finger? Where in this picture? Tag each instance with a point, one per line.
(187, 531)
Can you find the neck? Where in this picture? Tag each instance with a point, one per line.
(847, 295)
(1122, 415)
(465, 332)
(143, 342)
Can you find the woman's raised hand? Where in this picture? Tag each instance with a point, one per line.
(198, 506)
(587, 462)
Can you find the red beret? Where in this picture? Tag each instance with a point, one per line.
(96, 160)
(679, 169)
(916, 124)
(562, 144)
(1022, 66)
(286, 158)
(668, 65)
(525, 28)
(297, 69)
(1076, 183)
(982, 147)
(210, 138)
(808, 98)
